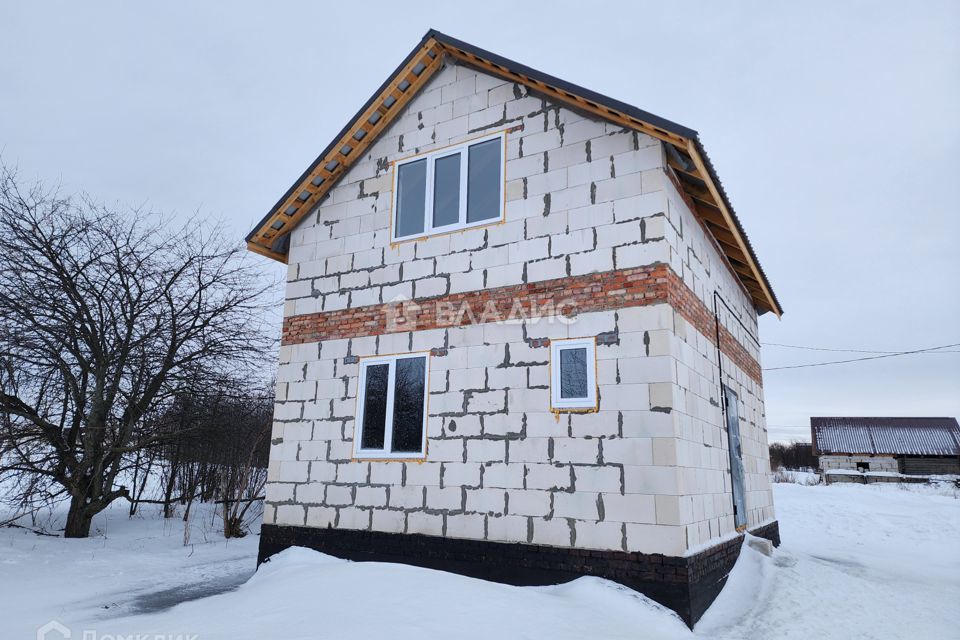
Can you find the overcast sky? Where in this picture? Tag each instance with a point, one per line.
(835, 128)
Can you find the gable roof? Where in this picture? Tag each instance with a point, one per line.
(691, 168)
(890, 436)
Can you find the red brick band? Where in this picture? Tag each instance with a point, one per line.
(609, 290)
(688, 305)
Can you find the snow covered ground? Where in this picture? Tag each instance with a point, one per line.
(875, 561)
(129, 566)
(805, 477)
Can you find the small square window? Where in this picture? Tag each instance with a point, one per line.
(573, 383)
(391, 419)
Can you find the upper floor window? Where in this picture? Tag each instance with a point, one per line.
(449, 189)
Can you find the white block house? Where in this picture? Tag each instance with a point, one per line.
(520, 339)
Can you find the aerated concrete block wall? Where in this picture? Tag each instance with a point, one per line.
(647, 472)
(877, 463)
(703, 445)
(500, 466)
(582, 196)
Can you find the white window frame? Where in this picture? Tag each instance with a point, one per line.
(386, 453)
(431, 158)
(556, 346)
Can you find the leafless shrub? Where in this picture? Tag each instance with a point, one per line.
(796, 455)
(104, 317)
(216, 451)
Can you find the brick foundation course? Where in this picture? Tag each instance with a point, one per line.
(617, 289)
(687, 585)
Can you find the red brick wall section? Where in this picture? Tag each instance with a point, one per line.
(608, 290)
(730, 346)
(686, 302)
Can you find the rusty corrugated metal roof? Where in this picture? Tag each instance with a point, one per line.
(890, 436)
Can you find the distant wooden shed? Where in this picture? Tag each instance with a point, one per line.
(911, 446)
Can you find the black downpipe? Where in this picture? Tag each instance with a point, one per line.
(716, 329)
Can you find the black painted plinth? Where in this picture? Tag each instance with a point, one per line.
(688, 585)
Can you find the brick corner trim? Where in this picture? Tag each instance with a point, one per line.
(616, 289)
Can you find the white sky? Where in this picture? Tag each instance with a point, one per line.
(834, 126)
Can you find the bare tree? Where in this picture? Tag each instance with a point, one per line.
(180, 424)
(796, 455)
(242, 458)
(217, 452)
(104, 315)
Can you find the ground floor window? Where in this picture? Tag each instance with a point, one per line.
(573, 372)
(391, 418)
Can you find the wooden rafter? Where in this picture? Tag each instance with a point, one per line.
(749, 282)
(564, 96)
(682, 170)
(264, 251)
(695, 187)
(351, 145)
(699, 193)
(709, 212)
(724, 237)
(745, 272)
(769, 301)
